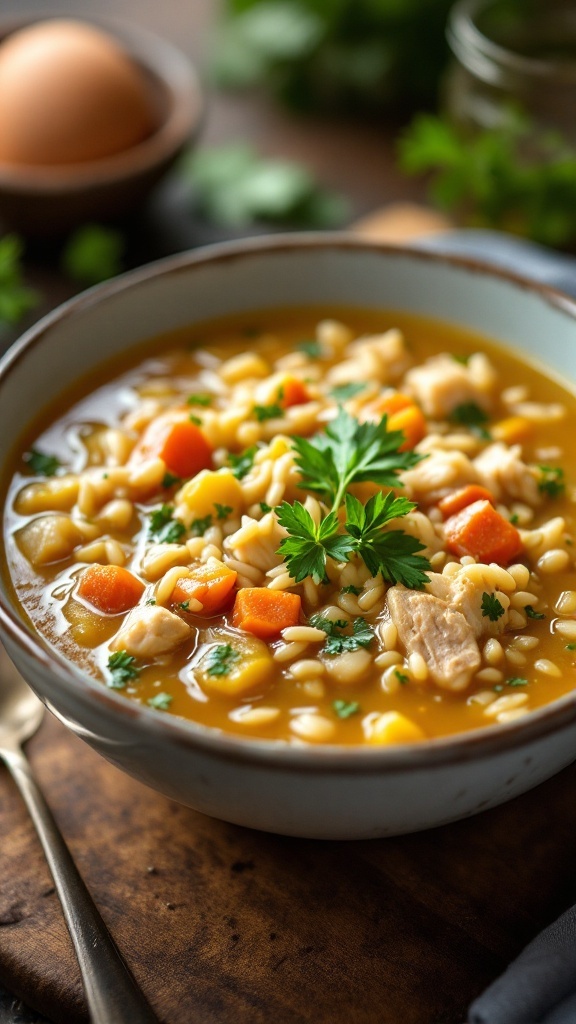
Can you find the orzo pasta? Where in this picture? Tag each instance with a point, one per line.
(318, 528)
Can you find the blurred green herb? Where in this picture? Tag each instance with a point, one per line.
(234, 186)
(122, 668)
(343, 55)
(92, 254)
(242, 464)
(345, 708)
(506, 177)
(15, 297)
(41, 463)
(161, 701)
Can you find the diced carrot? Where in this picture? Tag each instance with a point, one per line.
(293, 392)
(412, 422)
(110, 588)
(479, 530)
(457, 500)
(179, 442)
(265, 612)
(389, 403)
(211, 585)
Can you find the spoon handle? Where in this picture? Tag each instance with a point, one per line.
(112, 994)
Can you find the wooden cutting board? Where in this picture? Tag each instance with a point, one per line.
(222, 924)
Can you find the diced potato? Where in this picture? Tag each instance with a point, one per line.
(57, 494)
(232, 665)
(88, 628)
(392, 727)
(48, 539)
(210, 488)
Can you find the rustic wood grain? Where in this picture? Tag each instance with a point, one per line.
(223, 924)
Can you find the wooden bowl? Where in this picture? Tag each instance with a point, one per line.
(40, 201)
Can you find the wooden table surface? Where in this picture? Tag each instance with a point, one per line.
(220, 923)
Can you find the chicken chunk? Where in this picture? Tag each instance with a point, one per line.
(438, 472)
(428, 626)
(463, 595)
(380, 357)
(500, 468)
(150, 630)
(442, 383)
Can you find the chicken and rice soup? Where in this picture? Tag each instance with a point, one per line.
(321, 528)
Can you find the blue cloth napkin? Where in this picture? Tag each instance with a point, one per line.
(540, 986)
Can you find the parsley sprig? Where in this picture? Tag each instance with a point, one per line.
(42, 463)
(122, 668)
(350, 452)
(491, 607)
(338, 642)
(164, 527)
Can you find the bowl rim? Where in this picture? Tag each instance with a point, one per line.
(175, 74)
(145, 722)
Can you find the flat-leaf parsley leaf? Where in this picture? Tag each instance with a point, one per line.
(220, 660)
(491, 607)
(122, 668)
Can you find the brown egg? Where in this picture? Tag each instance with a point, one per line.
(69, 94)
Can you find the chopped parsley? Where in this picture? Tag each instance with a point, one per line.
(310, 347)
(198, 527)
(163, 527)
(401, 677)
(351, 452)
(265, 507)
(342, 392)
(195, 420)
(184, 605)
(338, 642)
(169, 480)
(151, 600)
(571, 647)
(491, 607)
(222, 511)
(199, 400)
(161, 701)
(41, 463)
(122, 668)
(532, 614)
(345, 708)
(460, 358)
(516, 681)
(351, 589)
(514, 519)
(220, 660)
(551, 481)
(242, 464)
(470, 414)
(268, 412)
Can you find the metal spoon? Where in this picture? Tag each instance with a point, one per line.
(112, 994)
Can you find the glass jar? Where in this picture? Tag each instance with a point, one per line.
(513, 57)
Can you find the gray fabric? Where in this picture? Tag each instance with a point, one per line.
(540, 986)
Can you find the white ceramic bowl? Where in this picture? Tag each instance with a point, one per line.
(326, 792)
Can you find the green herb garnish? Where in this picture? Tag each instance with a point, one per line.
(342, 392)
(267, 412)
(220, 660)
(351, 589)
(571, 647)
(199, 399)
(195, 420)
(470, 414)
(184, 605)
(242, 464)
(265, 507)
(345, 708)
(491, 607)
(163, 527)
(401, 677)
(161, 701)
(552, 481)
(351, 452)
(199, 526)
(516, 681)
(222, 511)
(337, 642)
(532, 614)
(41, 463)
(122, 668)
(169, 480)
(310, 347)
